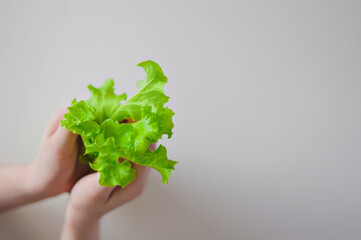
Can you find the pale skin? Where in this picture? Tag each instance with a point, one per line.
(56, 170)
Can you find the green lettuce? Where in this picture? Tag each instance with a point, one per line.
(117, 132)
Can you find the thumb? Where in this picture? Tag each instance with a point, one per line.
(94, 189)
(63, 137)
(60, 135)
(54, 122)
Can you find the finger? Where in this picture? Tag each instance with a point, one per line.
(94, 189)
(63, 137)
(153, 147)
(54, 122)
(141, 174)
(123, 195)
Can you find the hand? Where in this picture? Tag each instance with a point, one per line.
(56, 168)
(89, 202)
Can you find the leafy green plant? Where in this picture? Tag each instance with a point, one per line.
(112, 130)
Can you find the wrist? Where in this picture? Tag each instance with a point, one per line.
(79, 226)
(77, 217)
(18, 187)
(76, 224)
(32, 186)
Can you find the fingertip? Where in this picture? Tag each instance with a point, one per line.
(153, 146)
(139, 169)
(99, 190)
(63, 135)
(133, 190)
(55, 122)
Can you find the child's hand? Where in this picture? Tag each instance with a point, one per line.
(56, 168)
(89, 202)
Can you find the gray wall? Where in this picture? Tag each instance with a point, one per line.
(267, 102)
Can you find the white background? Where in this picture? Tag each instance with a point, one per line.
(267, 101)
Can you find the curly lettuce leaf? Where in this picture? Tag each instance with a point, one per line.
(150, 94)
(112, 130)
(112, 172)
(105, 101)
